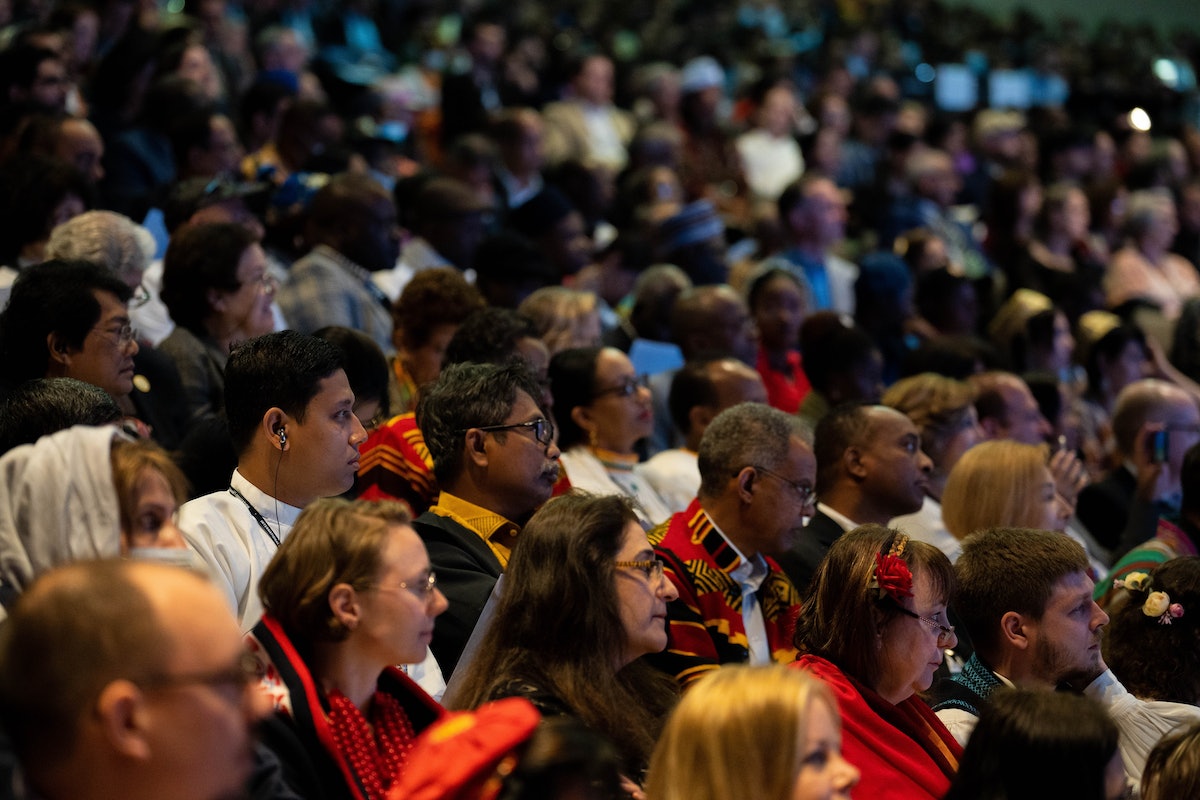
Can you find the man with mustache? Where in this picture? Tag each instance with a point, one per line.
(735, 605)
(1025, 598)
(495, 459)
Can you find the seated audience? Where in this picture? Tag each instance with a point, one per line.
(765, 732)
(873, 629)
(1172, 769)
(870, 468)
(495, 460)
(218, 292)
(426, 315)
(584, 598)
(1041, 745)
(756, 488)
(777, 302)
(942, 410)
(127, 679)
(1025, 598)
(842, 364)
(1002, 484)
(346, 597)
(603, 410)
(42, 406)
(699, 392)
(291, 418)
(85, 493)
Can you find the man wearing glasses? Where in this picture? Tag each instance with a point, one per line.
(756, 488)
(496, 461)
(127, 679)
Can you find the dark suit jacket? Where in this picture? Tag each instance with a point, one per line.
(466, 573)
(801, 562)
(1103, 506)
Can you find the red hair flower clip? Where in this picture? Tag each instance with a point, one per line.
(892, 577)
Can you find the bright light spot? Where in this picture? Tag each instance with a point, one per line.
(925, 73)
(1167, 72)
(175, 7)
(1139, 120)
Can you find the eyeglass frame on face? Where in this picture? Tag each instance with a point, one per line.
(249, 671)
(267, 284)
(629, 387)
(944, 632)
(652, 568)
(126, 334)
(808, 494)
(545, 438)
(422, 588)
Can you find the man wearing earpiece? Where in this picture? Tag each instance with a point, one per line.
(291, 419)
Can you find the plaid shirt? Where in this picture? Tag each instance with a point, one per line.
(326, 288)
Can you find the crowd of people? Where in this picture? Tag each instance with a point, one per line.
(547, 400)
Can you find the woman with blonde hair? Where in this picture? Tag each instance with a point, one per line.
(1003, 484)
(943, 411)
(765, 732)
(563, 318)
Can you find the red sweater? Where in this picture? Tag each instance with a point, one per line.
(903, 751)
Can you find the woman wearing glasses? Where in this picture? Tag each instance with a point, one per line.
(348, 595)
(584, 599)
(603, 410)
(873, 628)
(218, 291)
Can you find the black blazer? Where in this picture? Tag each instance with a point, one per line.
(467, 571)
(801, 562)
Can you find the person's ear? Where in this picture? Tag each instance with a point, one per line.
(476, 447)
(1015, 631)
(699, 417)
(852, 463)
(274, 426)
(583, 418)
(992, 428)
(343, 602)
(745, 484)
(57, 349)
(124, 719)
(216, 299)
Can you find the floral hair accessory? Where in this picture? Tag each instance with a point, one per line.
(1134, 582)
(892, 577)
(1158, 604)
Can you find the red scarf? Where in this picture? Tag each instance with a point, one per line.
(377, 758)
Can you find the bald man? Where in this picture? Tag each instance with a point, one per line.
(699, 392)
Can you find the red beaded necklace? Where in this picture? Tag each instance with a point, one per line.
(377, 757)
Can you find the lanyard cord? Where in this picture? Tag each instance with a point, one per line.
(262, 523)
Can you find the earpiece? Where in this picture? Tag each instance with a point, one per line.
(282, 435)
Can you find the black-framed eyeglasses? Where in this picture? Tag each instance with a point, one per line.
(626, 388)
(248, 670)
(421, 587)
(652, 568)
(543, 429)
(944, 632)
(805, 493)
